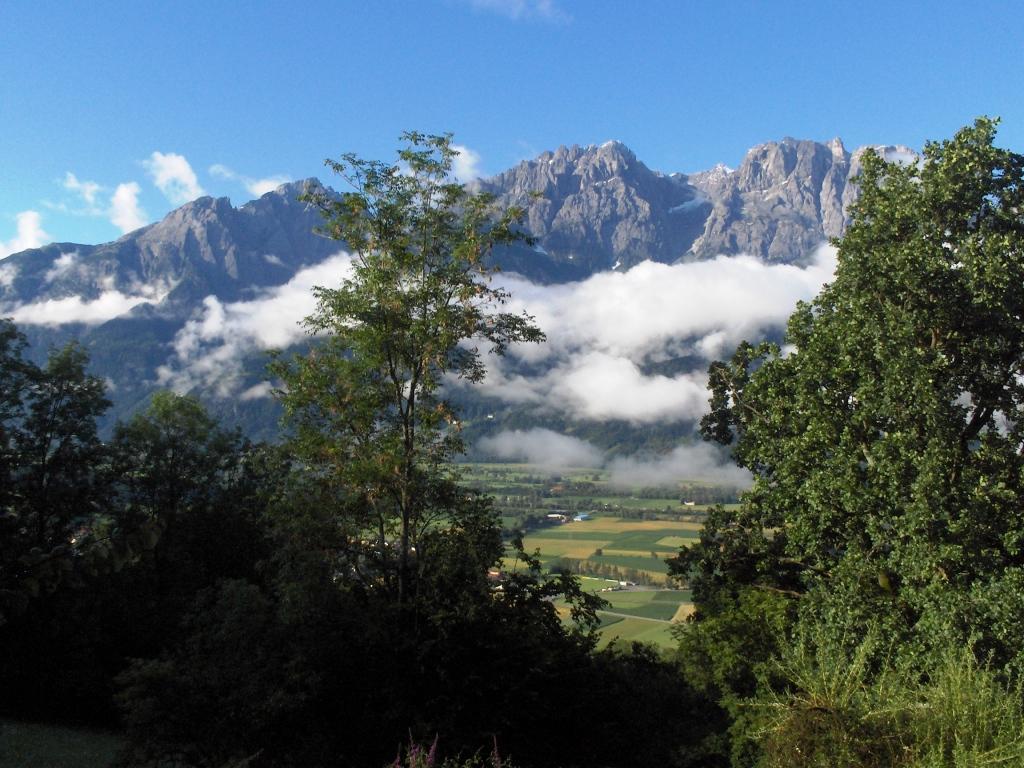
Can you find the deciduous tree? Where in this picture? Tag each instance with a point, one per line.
(887, 447)
(415, 308)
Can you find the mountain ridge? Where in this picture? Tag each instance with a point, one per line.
(600, 209)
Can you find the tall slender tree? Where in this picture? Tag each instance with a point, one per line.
(415, 308)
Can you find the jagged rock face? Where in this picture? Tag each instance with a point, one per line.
(204, 247)
(601, 208)
(785, 199)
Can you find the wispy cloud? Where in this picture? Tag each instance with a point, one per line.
(543, 447)
(86, 190)
(121, 208)
(466, 165)
(255, 187)
(109, 304)
(701, 462)
(63, 265)
(30, 234)
(125, 212)
(524, 10)
(210, 349)
(8, 272)
(173, 176)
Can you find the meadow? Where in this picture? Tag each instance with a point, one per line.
(637, 614)
(620, 548)
(626, 535)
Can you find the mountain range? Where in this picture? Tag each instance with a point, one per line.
(593, 210)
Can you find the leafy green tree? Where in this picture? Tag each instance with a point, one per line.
(414, 309)
(52, 484)
(887, 446)
(191, 494)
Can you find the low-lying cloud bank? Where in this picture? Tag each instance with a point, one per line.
(543, 447)
(602, 334)
(211, 347)
(603, 331)
(110, 303)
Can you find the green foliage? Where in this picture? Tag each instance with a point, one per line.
(886, 447)
(415, 308)
(51, 485)
(135, 529)
(839, 708)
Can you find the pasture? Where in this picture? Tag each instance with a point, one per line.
(643, 615)
(613, 547)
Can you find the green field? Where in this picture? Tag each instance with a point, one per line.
(30, 745)
(629, 549)
(644, 615)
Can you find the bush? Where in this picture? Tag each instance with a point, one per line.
(850, 707)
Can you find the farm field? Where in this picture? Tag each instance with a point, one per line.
(612, 547)
(523, 494)
(643, 615)
(626, 535)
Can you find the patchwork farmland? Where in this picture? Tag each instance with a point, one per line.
(616, 539)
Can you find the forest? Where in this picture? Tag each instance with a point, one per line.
(329, 600)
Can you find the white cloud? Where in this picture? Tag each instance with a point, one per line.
(30, 234)
(75, 309)
(603, 330)
(87, 190)
(542, 447)
(123, 209)
(62, 265)
(602, 334)
(521, 10)
(700, 462)
(255, 187)
(7, 274)
(466, 164)
(210, 348)
(125, 212)
(260, 187)
(174, 177)
(257, 391)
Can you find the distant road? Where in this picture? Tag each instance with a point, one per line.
(633, 616)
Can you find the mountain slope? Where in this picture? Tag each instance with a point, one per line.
(154, 304)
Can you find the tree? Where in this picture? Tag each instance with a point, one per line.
(414, 309)
(52, 484)
(887, 448)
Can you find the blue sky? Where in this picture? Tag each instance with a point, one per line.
(146, 104)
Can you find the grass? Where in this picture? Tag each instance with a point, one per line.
(31, 745)
(643, 615)
(628, 631)
(625, 544)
